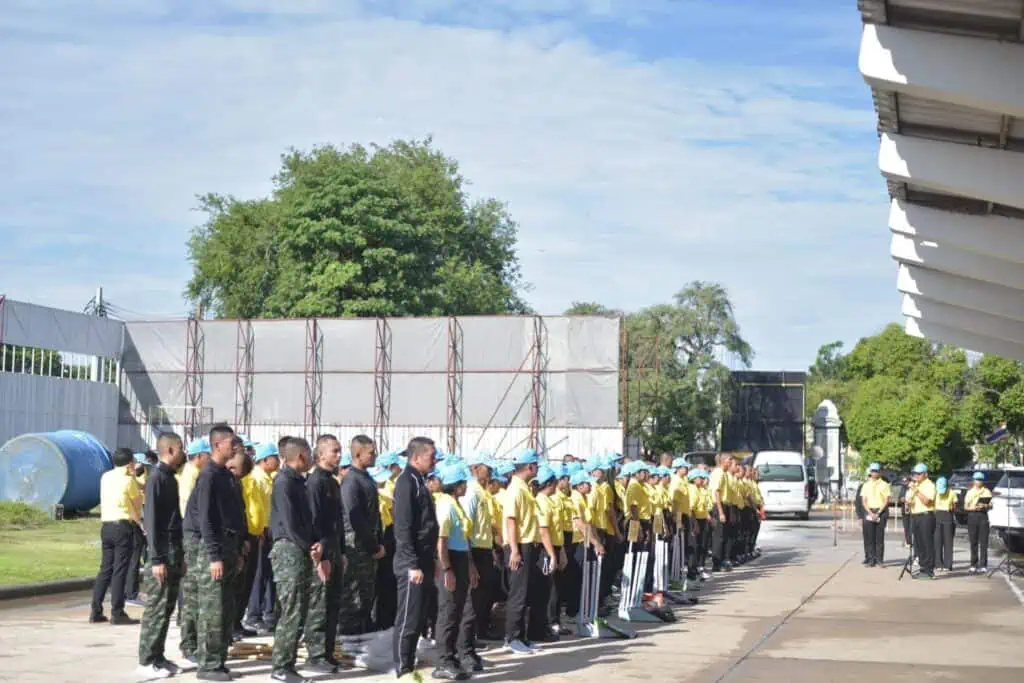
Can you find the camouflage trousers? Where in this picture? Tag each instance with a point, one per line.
(190, 598)
(161, 599)
(358, 590)
(293, 570)
(324, 606)
(216, 607)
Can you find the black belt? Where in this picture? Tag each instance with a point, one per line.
(922, 514)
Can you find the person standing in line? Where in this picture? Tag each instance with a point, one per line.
(143, 462)
(476, 502)
(545, 626)
(240, 465)
(384, 612)
(162, 522)
(257, 488)
(945, 525)
(219, 518)
(566, 582)
(522, 550)
(363, 546)
(602, 515)
(188, 597)
(721, 540)
(325, 586)
(120, 514)
(456, 576)
(416, 534)
(294, 555)
(702, 504)
(875, 495)
(922, 510)
(977, 503)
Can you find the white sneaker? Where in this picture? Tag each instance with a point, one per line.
(518, 647)
(972, 570)
(983, 570)
(151, 672)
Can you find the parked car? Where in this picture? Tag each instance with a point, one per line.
(961, 480)
(897, 484)
(1007, 514)
(784, 484)
(701, 457)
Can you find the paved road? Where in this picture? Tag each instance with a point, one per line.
(806, 611)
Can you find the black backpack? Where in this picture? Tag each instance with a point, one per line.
(858, 504)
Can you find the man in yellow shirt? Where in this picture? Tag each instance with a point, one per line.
(479, 508)
(977, 502)
(257, 487)
(602, 515)
(945, 525)
(702, 505)
(120, 514)
(721, 533)
(736, 511)
(922, 511)
(522, 552)
(549, 519)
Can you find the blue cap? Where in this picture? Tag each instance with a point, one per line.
(679, 462)
(199, 446)
(581, 477)
(500, 479)
(379, 474)
(573, 467)
(920, 468)
(978, 476)
(440, 455)
(664, 472)
(504, 469)
(596, 463)
(527, 456)
(454, 474)
(544, 475)
(246, 443)
(433, 474)
(141, 459)
(624, 473)
(480, 458)
(874, 467)
(941, 485)
(403, 462)
(386, 460)
(346, 459)
(613, 457)
(264, 451)
(698, 474)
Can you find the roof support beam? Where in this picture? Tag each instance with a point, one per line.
(970, 72)
(993, 236)
(964, 339)
(989, 174)
(1004, 302)
(963, 319)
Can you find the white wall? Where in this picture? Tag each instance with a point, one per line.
(29, 403)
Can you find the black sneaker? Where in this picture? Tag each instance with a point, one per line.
(288, 676)
(244, 632)
(473, 662)
(320, 666)
(449, 672)
(97, 619)
(215, 675)
(123, 620)
(189, 657)
(866, 562)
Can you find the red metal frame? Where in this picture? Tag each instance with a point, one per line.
(3, 315)
(454, 372)
(382, 384)
(244, 368)
(539, 388)
(194, 348)
(314, 378)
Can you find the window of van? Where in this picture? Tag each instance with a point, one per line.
(1014, 480)
(781, 473)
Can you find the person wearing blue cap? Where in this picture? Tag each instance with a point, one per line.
(455, 619)
(977, 502)
(945, 525)
(522, 552)
(602, 503)
(143, 463)
(198, 455)
(875, 496)
(566, 581)
(257, 488)
(701, 504)
(549, 521)
(385, 607)
(922, 511)
(476, 502)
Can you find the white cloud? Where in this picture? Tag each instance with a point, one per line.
(629, 178)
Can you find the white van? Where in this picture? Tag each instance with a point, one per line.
(783, 483)
(1006, 517)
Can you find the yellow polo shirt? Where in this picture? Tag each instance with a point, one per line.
(927, 489)
(974, 495)
(565, 501)
(600, 503)
(636, 495)
(944, 501)
(119, 496)
(187, 478)
(483, 524)
(549, 516)
(719, 483)
(386, 506)
(703, 503)
(257, 488)
(581, 511)
(519, 504)
(875, 493)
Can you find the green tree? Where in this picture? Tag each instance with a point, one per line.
(592, 308)
(32, 361)
(830, 365)
(379, 231)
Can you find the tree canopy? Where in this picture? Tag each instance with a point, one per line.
(378, 231)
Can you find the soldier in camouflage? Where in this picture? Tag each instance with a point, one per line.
(192, 547)
(363, 547)
(293, 556)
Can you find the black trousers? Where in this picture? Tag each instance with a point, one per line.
(133, 584)
(538, 593)
(615, 555)
(262, 595)
(945, 528)
(721, 538)
(518, 591)
(555, 596)
(246, 579)
(482, 597)
(385, 602)
(412, 605)
(977, 535)
(924, 540)
(701, 544)
(117, 539)
(908, 528)
(570, 590)
(454, 621)
(874, 538)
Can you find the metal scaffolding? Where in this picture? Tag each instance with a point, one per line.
(244, 376)
(624, 382)
(314, 379)
(538, 418)
(454, 424)
(194, 362)
(382, 384)
(3, 299)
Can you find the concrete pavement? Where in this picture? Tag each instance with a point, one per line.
(806, 611)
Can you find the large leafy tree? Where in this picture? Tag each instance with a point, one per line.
(673, 400)
(378, 231)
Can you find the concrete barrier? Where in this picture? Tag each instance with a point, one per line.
(35, 590)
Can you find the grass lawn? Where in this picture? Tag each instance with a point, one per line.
(34, 549)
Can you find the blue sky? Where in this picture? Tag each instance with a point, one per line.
(640, 144)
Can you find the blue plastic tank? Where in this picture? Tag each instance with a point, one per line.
(57, 467)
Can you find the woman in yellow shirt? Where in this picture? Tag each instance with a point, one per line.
(945, 525)
(977, 502)
(703, 503)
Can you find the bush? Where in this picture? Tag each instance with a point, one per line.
(21, 516)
